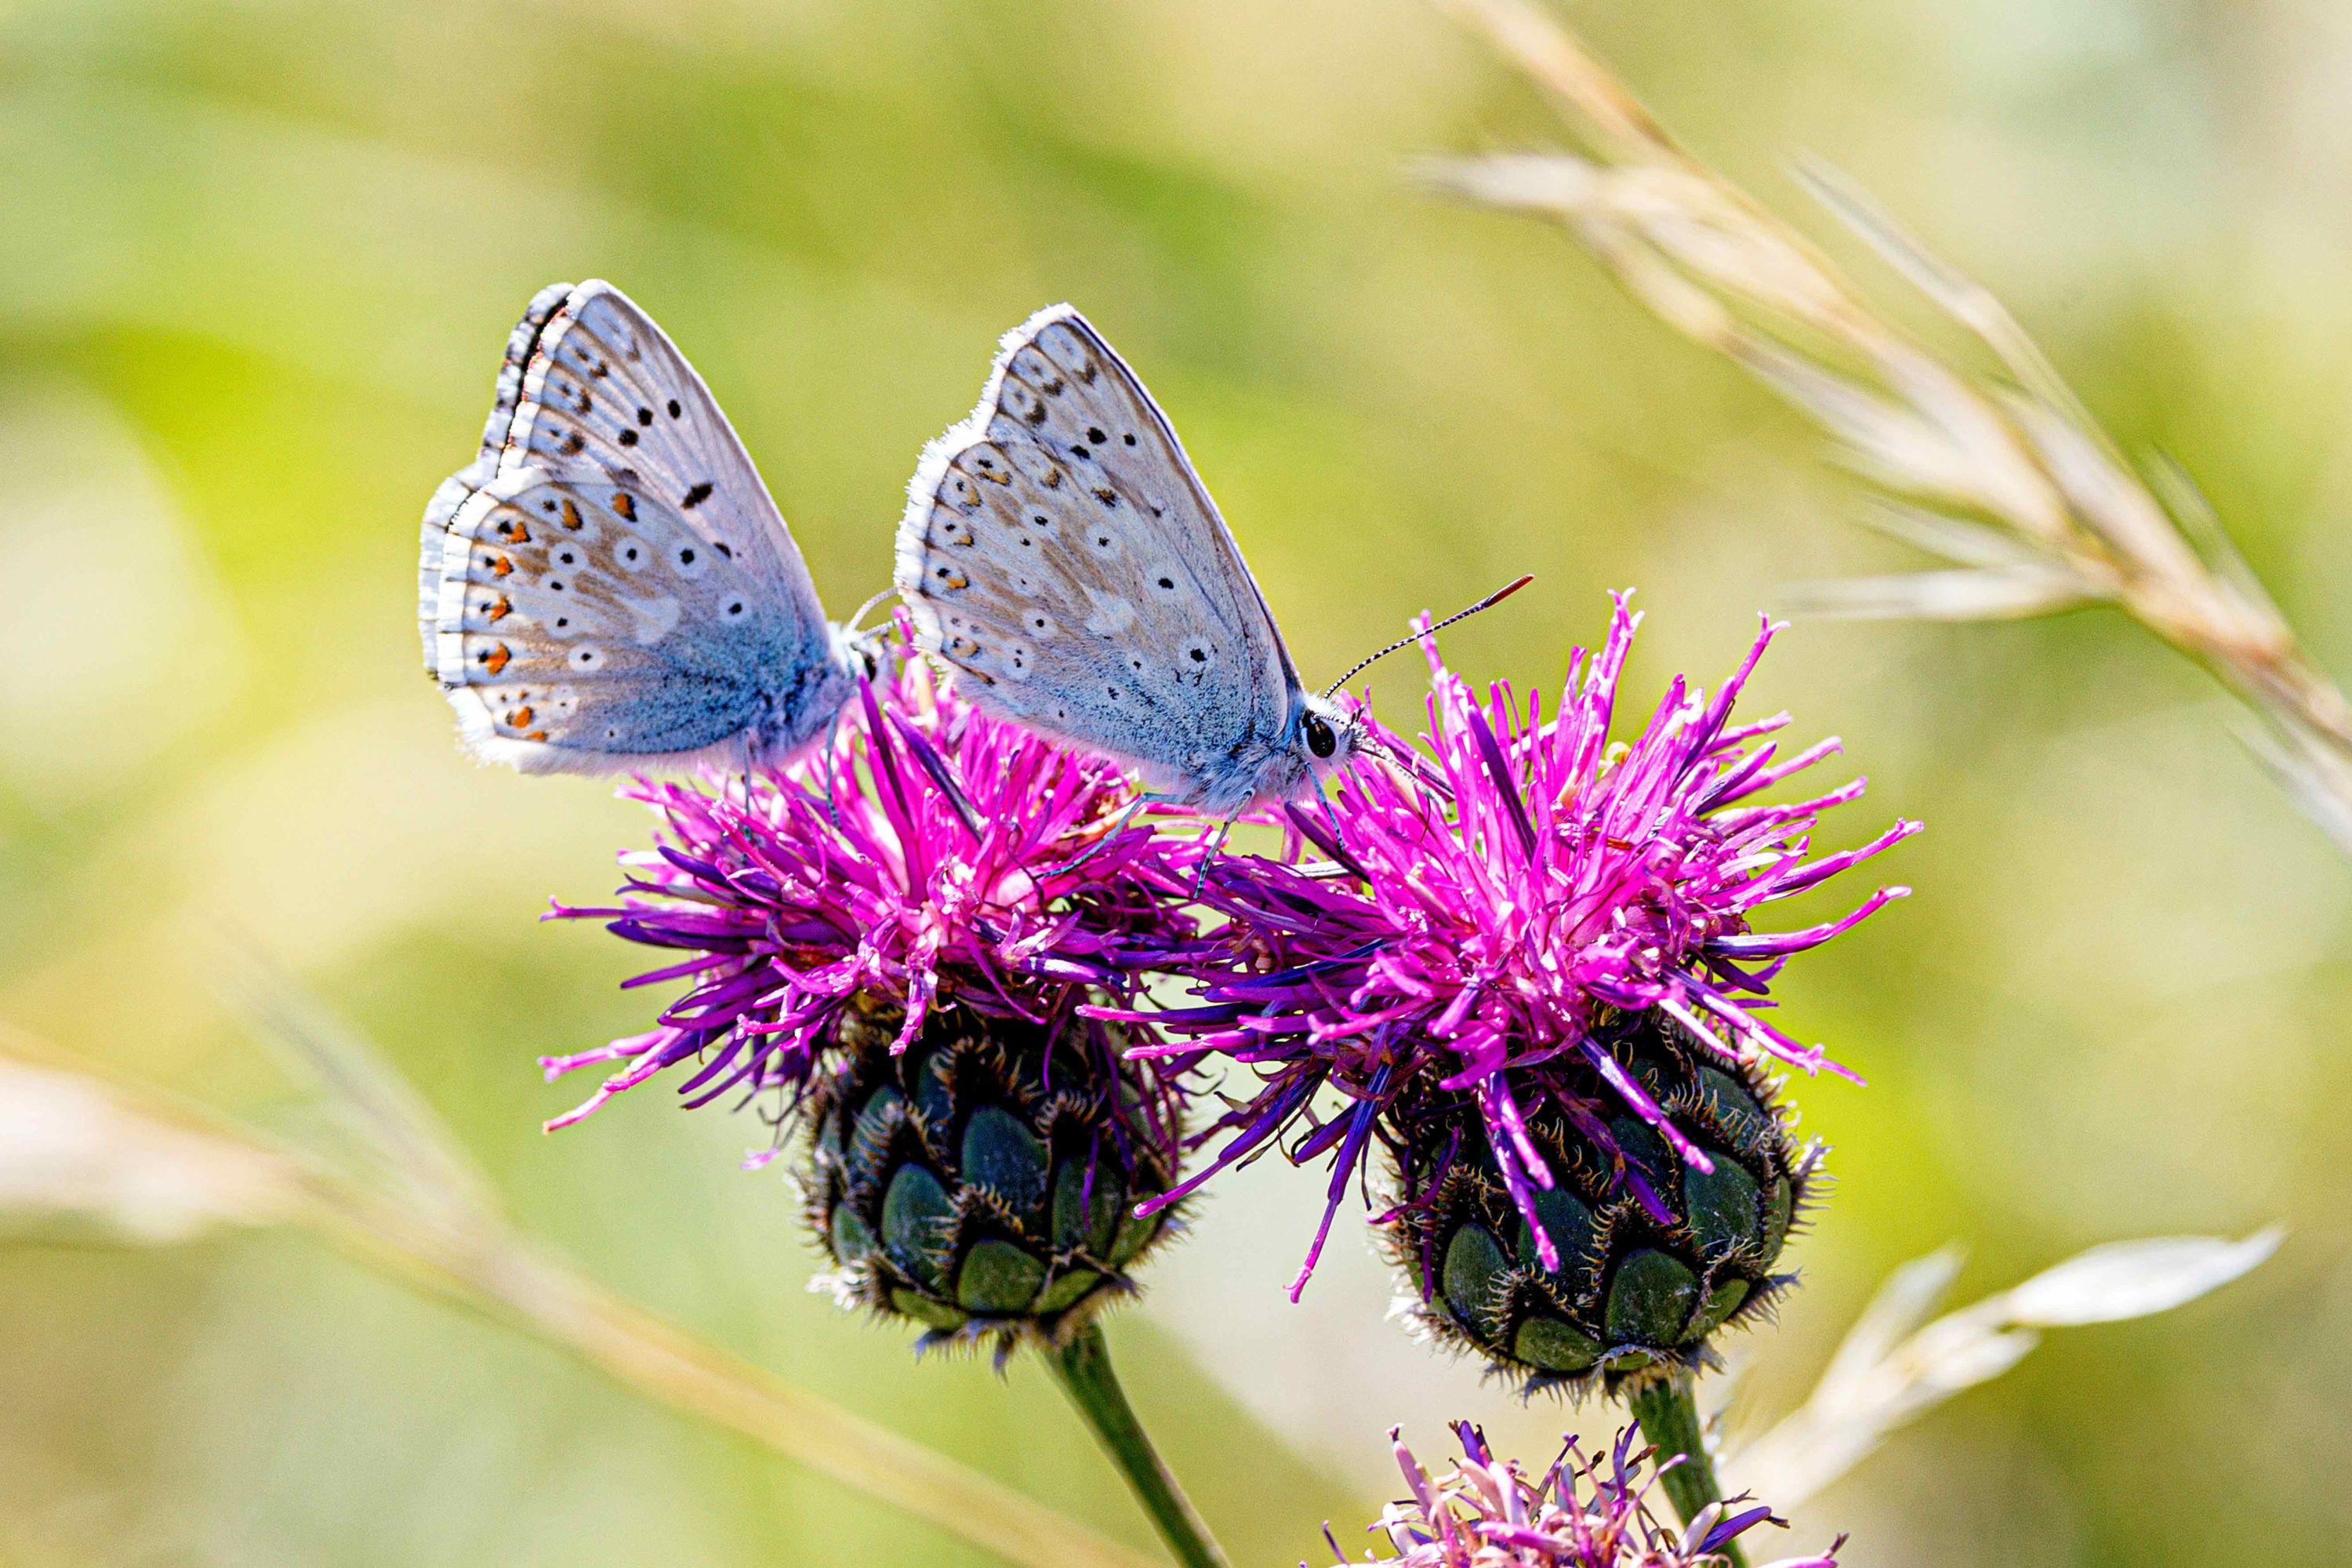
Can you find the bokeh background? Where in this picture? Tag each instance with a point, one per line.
(256, 262)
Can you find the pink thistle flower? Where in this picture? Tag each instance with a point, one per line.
(1584, 1512)
(924, 855)
(1493, 900)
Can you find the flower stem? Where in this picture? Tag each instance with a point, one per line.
(1668, 1414)
(1083, 1368)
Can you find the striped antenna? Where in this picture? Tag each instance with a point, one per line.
(1488, 603)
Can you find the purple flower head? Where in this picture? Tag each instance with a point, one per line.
(1585, 1512)
(1493, 899)
(924, 855)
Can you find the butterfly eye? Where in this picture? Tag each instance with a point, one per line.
(1319, 738)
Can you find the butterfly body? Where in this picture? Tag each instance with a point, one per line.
(609, 585)
(1059, 549)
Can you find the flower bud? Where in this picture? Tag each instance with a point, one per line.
(1652, 1253)
(983, 1180)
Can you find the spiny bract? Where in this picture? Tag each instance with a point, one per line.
(983, 1180)
(1656, 1254)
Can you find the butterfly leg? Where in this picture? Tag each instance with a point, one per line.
(1217, 847)
(1126, 815)
(832, 732)
(1330, 817)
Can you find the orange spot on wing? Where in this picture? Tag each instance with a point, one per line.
(536, 735)
(499, 609)
(571, 515)
(500, 566)
(626, 505)
(520, 717)
(498, 659)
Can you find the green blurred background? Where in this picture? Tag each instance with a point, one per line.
(256, 262)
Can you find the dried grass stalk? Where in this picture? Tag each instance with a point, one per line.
(1894, 1366)
(134, 1167)
(2003, 474)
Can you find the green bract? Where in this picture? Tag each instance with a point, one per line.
(979, 1186)
(1642, 1281)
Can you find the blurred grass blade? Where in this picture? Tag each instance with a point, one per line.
(1889, 1371)
(2186, 502)
(2312, 774)
(74, 1160)
(76, 1146)
(2020, 449)
(1976, 594)
(1956, 539)
(1902, 1304)
(1552, 57)
(382, 1109)
(1557, 184)
(1960, 295)
(2135, 1279)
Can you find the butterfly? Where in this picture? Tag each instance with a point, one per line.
(1060, 551)
(609, 585)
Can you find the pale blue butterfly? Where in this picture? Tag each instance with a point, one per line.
(1059, 549)
(609, 585)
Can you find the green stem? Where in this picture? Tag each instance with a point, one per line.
(1668, 1414)
(1083, 1368)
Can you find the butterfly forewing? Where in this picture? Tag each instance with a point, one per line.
(601, 384)
(1060, 548)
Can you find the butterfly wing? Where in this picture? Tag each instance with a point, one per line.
(594, 381)
(609, 585)
(584, 624)
(1060, 550)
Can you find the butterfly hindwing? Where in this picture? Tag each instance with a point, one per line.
(1060, 550)
(582, 624)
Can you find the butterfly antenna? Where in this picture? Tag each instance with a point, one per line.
(1488, 603)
